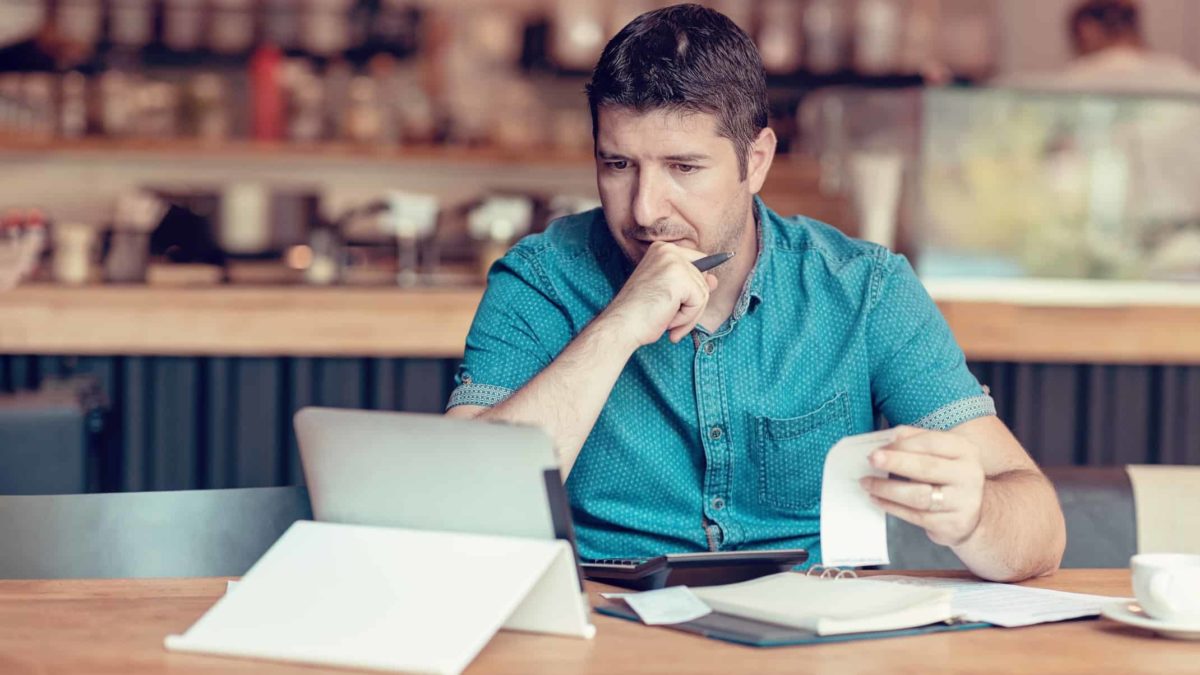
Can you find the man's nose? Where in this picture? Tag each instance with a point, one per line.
(650, 204)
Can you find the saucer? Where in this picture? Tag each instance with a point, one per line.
(1130, 613)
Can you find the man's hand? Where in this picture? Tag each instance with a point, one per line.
(665, 293)
(935, 463)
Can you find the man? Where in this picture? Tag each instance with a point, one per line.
(713, 436)
(1111, 57)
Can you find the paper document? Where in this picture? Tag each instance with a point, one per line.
(828, 606)
(1009, 605)
(676, 604)
(853, 530)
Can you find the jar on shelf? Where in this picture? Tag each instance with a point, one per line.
(232, 26)
(79, 21)
(131, 23)
(825, 36)
(577, 33)
(325, 26)
(877, 33)
(780, 40)
(183, 23)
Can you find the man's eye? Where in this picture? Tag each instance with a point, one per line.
(617, 165)
(686, 168)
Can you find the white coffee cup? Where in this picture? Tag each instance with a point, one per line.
(1167, 586)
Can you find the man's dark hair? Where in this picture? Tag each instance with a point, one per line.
(1117, 18)
(685, 58)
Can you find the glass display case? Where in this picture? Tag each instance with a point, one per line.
(1039, 185)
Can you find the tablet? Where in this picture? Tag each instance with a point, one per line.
(692, 569)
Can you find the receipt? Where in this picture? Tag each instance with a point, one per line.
(853, 530)
(676, 604)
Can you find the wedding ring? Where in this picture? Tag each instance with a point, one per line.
(936, 498)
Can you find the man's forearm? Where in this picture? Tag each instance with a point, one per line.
(566, 398)
(1021, 533)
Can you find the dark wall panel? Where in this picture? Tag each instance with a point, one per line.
(183, 422)
(134, 400)
(259, 422)
(174, 427)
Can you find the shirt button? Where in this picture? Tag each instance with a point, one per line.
(717, 503)
(715, 433)
(709, 348)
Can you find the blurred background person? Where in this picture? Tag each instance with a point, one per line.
(1112, 56)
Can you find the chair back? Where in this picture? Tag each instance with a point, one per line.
(190, 533)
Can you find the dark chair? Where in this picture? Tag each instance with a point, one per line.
(1097, 504)
(192, 533)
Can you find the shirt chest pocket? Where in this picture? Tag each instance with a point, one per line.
(790, 453)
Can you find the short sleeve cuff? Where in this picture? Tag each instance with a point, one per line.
(963, 410)
(471, 393)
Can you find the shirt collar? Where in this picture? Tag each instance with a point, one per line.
(752, 292)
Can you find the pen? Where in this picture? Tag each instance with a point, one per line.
(706, 264)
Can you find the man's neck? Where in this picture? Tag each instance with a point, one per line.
(723, 300)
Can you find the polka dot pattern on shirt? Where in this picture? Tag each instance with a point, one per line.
(719, 442)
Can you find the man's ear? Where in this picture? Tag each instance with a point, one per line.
(758, 163)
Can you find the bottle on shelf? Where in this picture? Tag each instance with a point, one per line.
(266, 93)
(73, 105)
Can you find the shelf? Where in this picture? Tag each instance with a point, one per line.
(791, 186)
(323, 151)
(433, 323)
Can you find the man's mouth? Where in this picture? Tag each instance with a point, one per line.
(645, 243)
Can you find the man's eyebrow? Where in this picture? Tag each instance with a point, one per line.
(683, 159)
(687, 158)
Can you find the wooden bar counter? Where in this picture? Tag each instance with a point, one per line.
(1085, 323)
(118, 626)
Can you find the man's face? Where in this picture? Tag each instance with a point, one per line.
(668, 176)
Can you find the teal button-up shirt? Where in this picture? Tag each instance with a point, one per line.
(718, 442)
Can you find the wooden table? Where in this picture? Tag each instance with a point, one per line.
(117, 626)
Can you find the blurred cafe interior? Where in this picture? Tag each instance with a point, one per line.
(236, 208)
(214, 213)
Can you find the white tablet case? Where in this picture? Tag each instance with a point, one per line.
(391, 599)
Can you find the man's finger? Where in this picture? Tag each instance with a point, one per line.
(904, 431)
(913, 495)
(909, 515)
(929, 443)
(916, 466)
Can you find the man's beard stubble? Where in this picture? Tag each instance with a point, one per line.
(729, 240)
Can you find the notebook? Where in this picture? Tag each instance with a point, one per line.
(828, 606)
(758, 634)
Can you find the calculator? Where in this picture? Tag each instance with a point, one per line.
(693, 569)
